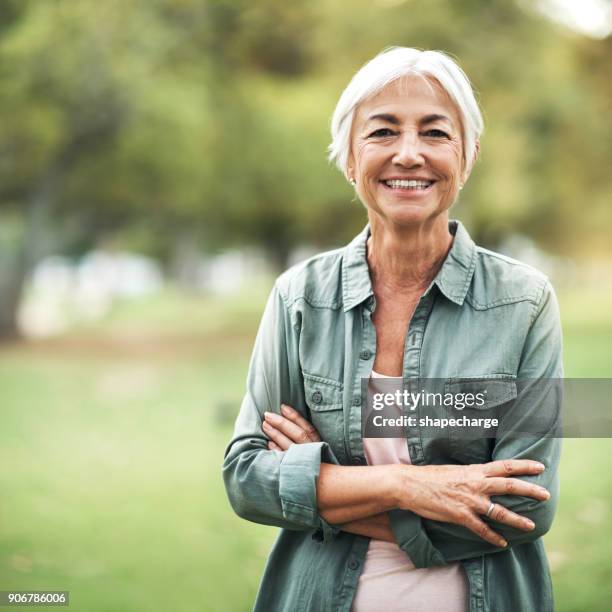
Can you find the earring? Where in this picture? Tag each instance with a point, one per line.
(352, 182)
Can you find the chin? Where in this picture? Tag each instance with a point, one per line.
(408, 214)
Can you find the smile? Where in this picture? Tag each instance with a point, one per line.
(408, 184)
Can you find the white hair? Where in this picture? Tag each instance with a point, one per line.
(390, 65)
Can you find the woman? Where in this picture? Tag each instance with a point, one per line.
(420, 523)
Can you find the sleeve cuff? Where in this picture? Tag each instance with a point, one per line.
(299, 471)
(411, 537)
(325, 532)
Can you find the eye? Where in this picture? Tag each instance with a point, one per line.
(381, 133)
(436, 133)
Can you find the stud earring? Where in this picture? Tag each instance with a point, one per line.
(352, 181)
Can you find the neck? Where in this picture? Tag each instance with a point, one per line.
(407, 259)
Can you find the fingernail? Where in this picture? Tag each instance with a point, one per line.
(529, 524)
(284, 409)
(546, 493)
(504, 543)
(265, 425)
(266, 415)
(541, 466)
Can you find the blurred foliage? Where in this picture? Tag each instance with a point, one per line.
(156, 122)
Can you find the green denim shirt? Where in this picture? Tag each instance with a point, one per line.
(484, 315)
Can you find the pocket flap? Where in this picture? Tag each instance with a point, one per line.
(321, 393)
(488, 392)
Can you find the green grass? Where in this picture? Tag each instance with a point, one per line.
(578, 544)
(111, 444)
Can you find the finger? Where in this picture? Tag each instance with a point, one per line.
(273, 446)
(276, 436)
(514, 486)
(481, 529)
(500, 514)
(294, 432)
(512, 467)
(300, 421)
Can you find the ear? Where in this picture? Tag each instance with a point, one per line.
(350, 167)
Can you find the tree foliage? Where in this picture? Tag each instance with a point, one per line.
(160, 121)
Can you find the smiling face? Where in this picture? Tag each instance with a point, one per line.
(406, 152)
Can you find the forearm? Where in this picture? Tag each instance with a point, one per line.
(346, 493)
(376, 527)
(351, 512)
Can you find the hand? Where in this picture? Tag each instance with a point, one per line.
(460, 493)
(292, 428)
(287, 429)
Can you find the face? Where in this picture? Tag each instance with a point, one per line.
(407, 152)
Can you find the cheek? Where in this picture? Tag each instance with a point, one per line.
(369, 157)
(452, 160)
(362, 157)
(366, 167)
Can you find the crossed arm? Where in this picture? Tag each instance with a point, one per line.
(359, 498)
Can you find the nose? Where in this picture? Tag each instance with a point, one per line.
(408, 152)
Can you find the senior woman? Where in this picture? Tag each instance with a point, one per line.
(416, 523)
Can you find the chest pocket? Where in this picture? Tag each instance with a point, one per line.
(490, 398)
(324, 399)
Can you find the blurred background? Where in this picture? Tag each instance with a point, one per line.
(161, 161)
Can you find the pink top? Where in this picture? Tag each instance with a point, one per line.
(389, 580)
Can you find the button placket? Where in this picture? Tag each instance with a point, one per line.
(412, 361)
(362, 363)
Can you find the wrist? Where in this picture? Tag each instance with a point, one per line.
(398, 486)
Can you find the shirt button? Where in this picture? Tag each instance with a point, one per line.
(365, 354)
(317, 397)
(358, 461)
(357, 401)
(353, 564)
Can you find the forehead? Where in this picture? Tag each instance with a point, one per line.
(409, 96)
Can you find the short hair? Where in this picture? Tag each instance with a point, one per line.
(390, 65)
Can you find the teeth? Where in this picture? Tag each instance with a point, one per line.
(401, 184)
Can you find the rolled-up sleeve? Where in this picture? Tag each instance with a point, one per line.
(267, 486)
(541, 363)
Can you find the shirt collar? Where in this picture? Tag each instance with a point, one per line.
(453, 278)
(356, 283)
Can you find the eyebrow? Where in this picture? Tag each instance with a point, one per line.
(433, 118)
(390, 118)
(387, 117)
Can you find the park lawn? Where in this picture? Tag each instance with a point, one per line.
(111, 448)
